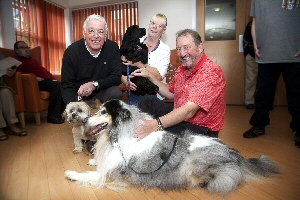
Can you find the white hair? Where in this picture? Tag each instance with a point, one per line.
(95, 17)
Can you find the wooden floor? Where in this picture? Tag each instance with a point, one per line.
(32, 167)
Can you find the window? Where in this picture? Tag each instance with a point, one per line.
(33, 21)
(220, 20)
(118, 18)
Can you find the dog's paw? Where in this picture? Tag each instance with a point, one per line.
(77, 150)
(71, 175)
(92, 162)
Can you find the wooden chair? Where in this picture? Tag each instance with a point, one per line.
(174, 64)
(35, 101)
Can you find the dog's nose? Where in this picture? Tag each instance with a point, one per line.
(74, 115)
(85, 120)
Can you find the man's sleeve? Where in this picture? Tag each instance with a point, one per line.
(68, 90)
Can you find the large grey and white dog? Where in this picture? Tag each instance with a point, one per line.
(161, 159)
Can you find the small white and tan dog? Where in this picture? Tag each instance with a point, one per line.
(75, 113)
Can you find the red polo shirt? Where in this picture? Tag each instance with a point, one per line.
(205, 86)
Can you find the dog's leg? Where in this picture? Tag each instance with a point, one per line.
(90, 177)
(77, 140)
(92, 162)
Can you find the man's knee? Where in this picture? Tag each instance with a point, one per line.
(110, 93)
(147, 103)
(115, 93)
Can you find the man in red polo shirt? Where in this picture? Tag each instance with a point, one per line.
(198, 90)
(45, 79)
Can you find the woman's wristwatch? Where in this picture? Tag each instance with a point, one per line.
(160, 127)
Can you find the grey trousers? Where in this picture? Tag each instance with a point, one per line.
(7, 108)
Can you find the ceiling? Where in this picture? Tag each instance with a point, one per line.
(76, 4)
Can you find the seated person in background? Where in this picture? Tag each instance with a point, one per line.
(7, 110)
(158, 55)
(251, 67)
(92, 66)
(198, 90)
(45, 79)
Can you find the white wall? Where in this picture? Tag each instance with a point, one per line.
(181, 14)
(8, 30)
(68, 27)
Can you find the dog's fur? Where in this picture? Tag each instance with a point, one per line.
(75, 113)
(133, 50)
(195, 161)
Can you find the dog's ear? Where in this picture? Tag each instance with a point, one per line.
(65, 115)
(123, 116)
(96, 104)
(126, 114)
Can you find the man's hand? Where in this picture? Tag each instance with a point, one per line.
(39, 79)
(145, 129)
(257, 52)
(86, 89)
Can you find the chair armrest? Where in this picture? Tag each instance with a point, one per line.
(15, 82)
(31, 93)
(122, 87)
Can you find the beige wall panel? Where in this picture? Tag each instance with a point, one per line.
(226, 53)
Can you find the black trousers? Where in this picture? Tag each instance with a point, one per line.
(104, 95)
(56, 105)
(268, 75)
(157, 108)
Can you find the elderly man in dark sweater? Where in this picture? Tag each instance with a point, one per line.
(91, 67)
(45, 79)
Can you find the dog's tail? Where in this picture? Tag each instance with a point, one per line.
(262, 166)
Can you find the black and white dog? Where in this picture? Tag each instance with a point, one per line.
(133, 50)
(161, 159)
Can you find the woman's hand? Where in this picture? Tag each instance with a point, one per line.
(125, 82)
(138, 64)
(142, 72)
(10, 72)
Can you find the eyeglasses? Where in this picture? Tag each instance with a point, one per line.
(95, 32)
(23, 48)
(152, 23)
